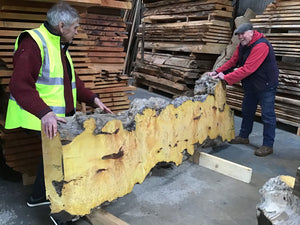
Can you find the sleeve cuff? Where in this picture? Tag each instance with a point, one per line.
(44, 112)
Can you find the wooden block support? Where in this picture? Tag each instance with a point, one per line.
(102, 217)
(223, 166)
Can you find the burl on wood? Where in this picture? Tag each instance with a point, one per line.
(94, 160)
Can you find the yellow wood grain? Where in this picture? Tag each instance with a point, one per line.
(90, 177)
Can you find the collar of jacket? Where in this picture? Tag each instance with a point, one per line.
(50, 29)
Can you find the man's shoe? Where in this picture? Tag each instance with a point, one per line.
(60, 219)
(54, 221)
(33, 202)
(239, 140)
(263, 151)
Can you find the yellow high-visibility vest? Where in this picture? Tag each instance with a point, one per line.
(50, 82)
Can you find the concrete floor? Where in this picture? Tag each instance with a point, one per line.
(187, 194)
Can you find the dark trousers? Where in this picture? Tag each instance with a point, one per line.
(266, 99)
(39, 190)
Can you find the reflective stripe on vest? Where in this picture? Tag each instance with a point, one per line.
(55, 109)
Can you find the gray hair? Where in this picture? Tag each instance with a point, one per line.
(62, 12)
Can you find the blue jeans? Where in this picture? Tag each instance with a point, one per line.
(266, 99)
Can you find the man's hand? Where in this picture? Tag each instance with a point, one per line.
(213, 73)
(219, 75)
(49, 124)
(98, 102)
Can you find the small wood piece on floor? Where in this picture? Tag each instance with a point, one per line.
(223, 166)
(102, 217)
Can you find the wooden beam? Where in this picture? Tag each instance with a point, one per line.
(102, 217)
(223, 166)
(89, 3)
(186, 47)
(23, 16)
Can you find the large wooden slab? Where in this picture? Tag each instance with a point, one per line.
(103, 163)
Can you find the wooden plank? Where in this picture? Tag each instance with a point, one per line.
(192, 24)
(88, 23)
(223, 166)
(101, 17)
(186, 16)
(194, 6)
(89, 3)
(160, 81)
(24, 8)
(95, 48)
(186, 47)
(118, 89)
(8, 40)
(20, 149)
(6, 73)
(21, 25)
(170, 2)
(115, 99)
(22, 16)
(24, 155)
(107, 54)
(9, 33)
(102, 217)
(98, 60)
(21, 163)
(4, 81)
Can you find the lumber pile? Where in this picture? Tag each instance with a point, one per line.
(22, 150)
(98, 56)
(120, 150)
(280, 24)
(179, 41)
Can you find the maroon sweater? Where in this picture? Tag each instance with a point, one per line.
(27, 63)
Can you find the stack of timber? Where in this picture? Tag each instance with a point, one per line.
(179, 41)
(97, 52)
(98, 56)
(280, 23)
(21, 149)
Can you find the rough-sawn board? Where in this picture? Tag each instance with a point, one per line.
(102, 164)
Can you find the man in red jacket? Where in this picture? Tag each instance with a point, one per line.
(254, 64)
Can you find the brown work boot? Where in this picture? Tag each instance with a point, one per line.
(263, 151)
(239, 140)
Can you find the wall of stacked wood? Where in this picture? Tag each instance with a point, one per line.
(179, 40)
(280, 23)
(98, 56)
